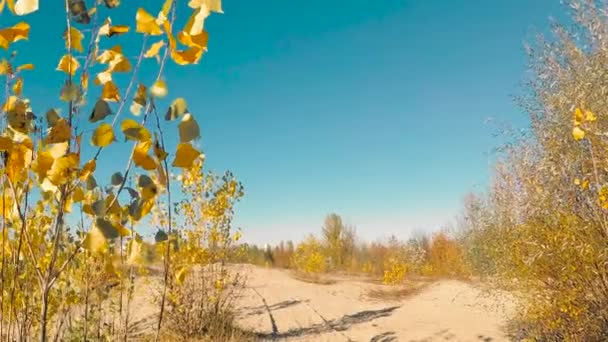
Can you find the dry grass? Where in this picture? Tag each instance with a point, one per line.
(313, 278)
(233, 335)
(395, 293)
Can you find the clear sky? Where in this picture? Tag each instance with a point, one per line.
(375, 110)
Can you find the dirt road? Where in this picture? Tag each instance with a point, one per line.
(280, 307)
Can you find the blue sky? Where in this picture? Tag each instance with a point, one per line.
(375, 110)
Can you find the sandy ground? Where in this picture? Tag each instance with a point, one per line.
(280, 307)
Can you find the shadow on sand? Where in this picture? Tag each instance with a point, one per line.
(338, 325)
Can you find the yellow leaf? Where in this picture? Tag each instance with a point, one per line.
(5, 67)
(95, 241)
(196, 22)
(110, 54)
(63, 169)
(116, 61)
(74, 39)
(188, 129)
(110, 92)
(589, 116)
(147, 187)
(109, 30)
(180, 276)
(134, 131)
(23, 7)
(166, 7)
(6, 144)
(20, 118)
(186, 57)
(141, 96)
(136, 108)
(87, 209)
(70, 92)
(60, 132)
(177, 109)
(140, 208)
(212, 5)
(585, 184)
(112, 3)
(91, 182)
(117, 30)
(185, 155)
(13, 34)
(88, 169)
(578, 116)
(100, 111)
(42, 164)
(68, 64)
(198, 40)
(146, 23)
(52, 118)
(18, 87)
(110, 269)
(103, 77)
(78, 195)
(578, 133)
(154, 49)
(58, 150)
(159, 89)
(139, 101)
(141, 157)
(18, 162)
(162, 175)
(113, 207)
(103, 135)
(28, 66)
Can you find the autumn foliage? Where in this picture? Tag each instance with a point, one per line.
(392, 261)
(73, 247)
(541, 227)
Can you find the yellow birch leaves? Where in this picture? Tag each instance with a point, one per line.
(14, 34)
(73, 39)
(154, 49)
(581, 117)
(141, 157)
(159, 89)
(24, 7)
(68, 64)
(103, 135)
(109, 30)
(146, 23)
(185, 155)
(188, 129)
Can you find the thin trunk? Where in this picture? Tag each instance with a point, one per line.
(3, 262)
(120, 299)
(43, 314)
(129, 290)
(86, 310)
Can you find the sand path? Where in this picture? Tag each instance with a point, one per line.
(280, 307)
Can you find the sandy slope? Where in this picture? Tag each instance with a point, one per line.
(283, 308)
